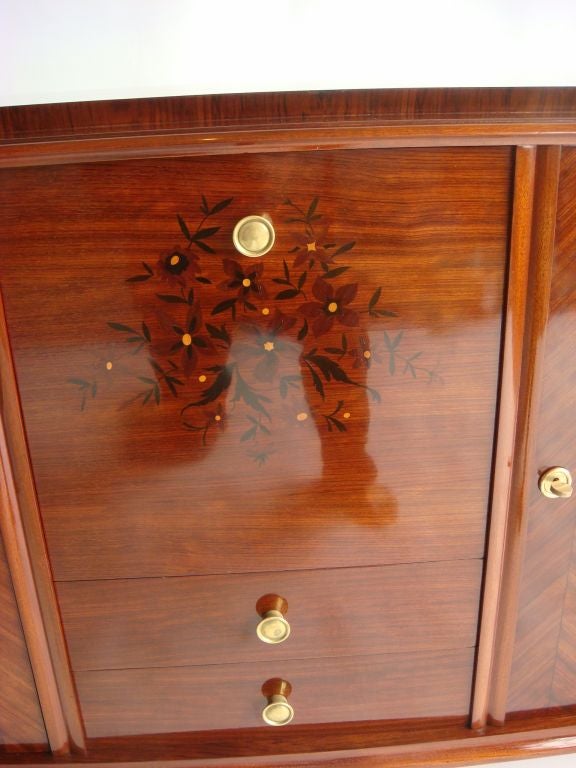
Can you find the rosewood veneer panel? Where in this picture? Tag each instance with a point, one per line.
(129, 492)
(121, 624)
(21, 723)
(545, 647)
(147, 701)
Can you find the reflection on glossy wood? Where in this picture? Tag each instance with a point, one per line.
(21, 724)
(545, 650)
(126, 702)
(208, 620)
(130, 493)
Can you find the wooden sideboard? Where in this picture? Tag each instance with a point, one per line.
(281, 375)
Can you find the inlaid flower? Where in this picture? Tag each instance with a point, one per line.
(365, 354)
(191, 341)
(268, 345)
(331, 306)
(312, 249)
(175, 263)
(246, 280)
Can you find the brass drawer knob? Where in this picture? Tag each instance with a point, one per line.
(556, 483)
(277, 711)
(253, 236)
(273, 627)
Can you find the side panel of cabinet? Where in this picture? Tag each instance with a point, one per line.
(21, 722)
(544, 666)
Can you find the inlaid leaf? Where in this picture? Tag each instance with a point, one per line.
(336, 272)
(289, 294)
(122, 328)
(138, 279)
(204, 233)
(312, 207)
(302, 280)
(204, 207)
(248, 435)
(183, 227)
(171, 299)
(375, 298)
(303, 332)
(213, 392)
(148, 268)
(203, 280)
(218, 333)
(286, 270)
(221, 205)
(344, 248)
(223, 306)
(146, 332)
(204, 246)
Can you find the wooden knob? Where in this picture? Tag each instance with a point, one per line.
(273, 627)
(277, 711)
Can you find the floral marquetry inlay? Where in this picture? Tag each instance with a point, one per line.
(232, 338)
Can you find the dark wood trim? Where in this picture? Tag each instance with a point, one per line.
(212, 125)
(539, 281)
(508, 414)
(30, 569)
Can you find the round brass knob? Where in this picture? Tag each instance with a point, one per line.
(253, 236)
(556, 483)
(273, 628)
(278, 711)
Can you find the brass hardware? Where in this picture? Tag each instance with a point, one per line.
(278, 711)
(273, 628)
(253, 236)
(556, 483)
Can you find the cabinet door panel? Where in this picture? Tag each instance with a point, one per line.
(192, 410)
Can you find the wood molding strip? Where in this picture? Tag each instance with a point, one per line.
(507, 423)
(275, 139)
(547, 174)
(27, 557)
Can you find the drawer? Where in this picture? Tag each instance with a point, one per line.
(123, 624)
(388, 687)
(330, 404)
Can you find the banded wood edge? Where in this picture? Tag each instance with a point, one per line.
(280, 122)
(506, 429)
(23, 536)
(532, 247)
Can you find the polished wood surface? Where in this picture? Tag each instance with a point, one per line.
(392, 686)
(120, 624)
(132, 489)
(64, 133)
(545, 646)
(24, 544)
(21, 723)
(123, 489)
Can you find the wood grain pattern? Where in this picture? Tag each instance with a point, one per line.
(143, 701)
(282, 122)
(207, 620)
(21, 723)
(130, 493)
(544, 654)
(27, 559)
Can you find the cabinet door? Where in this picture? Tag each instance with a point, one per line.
(193, 410)
(544, 668)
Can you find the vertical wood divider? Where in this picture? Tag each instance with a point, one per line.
(526, 315)
(23, 535)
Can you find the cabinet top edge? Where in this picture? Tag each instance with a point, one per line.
(553, 107)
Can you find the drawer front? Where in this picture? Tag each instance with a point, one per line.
(389, 687)
(213, 619)
(192, 410)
